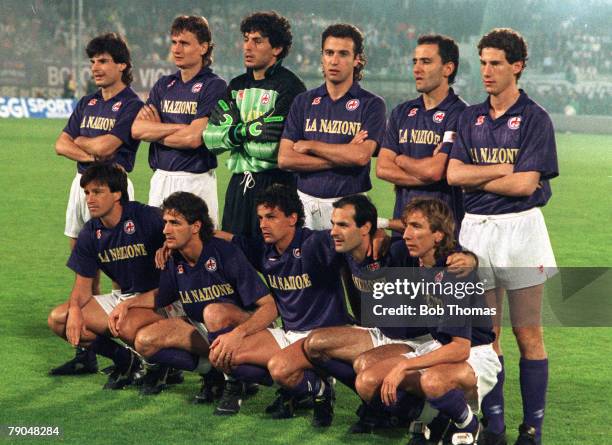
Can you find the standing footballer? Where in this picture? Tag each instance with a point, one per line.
(99, 128)
(177, 112)
(504, 156)
(421, 131)
(248, 122)
(333, 130)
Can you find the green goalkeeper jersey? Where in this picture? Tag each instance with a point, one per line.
(275, 92)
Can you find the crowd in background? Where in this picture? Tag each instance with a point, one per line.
(569, 69)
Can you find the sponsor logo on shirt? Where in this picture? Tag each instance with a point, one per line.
(211, 264)
(439, 276)
(129, 227)
(514, 123)
(116, 106)
(438, 116)
(171, 83)
(297, 252)
(241, 94)
(480, 120)
(98, 234)
(413, 112)
(316, 100)
(197, 87)
(352, 104)
(92, 102)
(179, 269)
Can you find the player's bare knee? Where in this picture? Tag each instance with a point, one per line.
(366, 385)
(360, 364)
(146, 342)
(530, 340)
(433, 384)
(314, 345)
(217, 316)
(279, 370)
(57, 319)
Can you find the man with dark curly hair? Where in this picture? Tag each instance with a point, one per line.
(333, 130)
(504, 156)
(249, 121)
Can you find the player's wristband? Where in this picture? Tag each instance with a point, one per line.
(382, 223)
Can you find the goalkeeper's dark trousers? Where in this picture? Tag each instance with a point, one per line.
(239, 213)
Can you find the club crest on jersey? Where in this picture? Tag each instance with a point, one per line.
(352, 104)
(438, 116)
(98, 234)
(413, 112)
(129, 227)
(373, 266)
(211, 264)
(116, 106)
(179, 269)
(480, 120)
(439, 276)
(316, 100)
(265, 98)
(514, 123)
(297, 252)
(171, 83)
(241, 94)
(92, 102)
(197, 87)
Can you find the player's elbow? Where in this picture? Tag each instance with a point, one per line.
(362, 159)
(433, 174)
(526, 188)
(284, 160)
(59, 150)
(453, 176)
(137, 130)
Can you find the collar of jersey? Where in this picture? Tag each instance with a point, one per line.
(126, 213)
(98, 95)
(516, 108)
(295, 243)
(269, 72)
(202, 73)
(353, 91)
(450, 99)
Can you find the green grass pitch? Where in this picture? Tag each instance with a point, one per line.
(33, 279)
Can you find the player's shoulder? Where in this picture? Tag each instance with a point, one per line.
(532, 108)
(456, 104)
(404, 108)
(223, 248)
(142, 211)
(240, 82)
(287, 76)
(166, 81)
(308, 97)
(89, 100)
(128, 97)
(368, 95)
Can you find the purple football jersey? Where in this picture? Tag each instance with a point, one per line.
(363, 280)
(221, 275)
(414, 131)
(305, 279)
(315, 116)
(524, 136)
(126, 253)
(94, 116)
(181, 103)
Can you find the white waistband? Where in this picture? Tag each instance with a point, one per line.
(330, 200)
(181, 173)
(478, 217)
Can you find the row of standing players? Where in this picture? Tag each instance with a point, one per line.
(501, 152)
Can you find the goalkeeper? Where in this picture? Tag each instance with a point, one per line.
(249, 121)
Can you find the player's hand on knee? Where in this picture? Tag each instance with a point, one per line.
(116, 317)
(388, 389)
(75, 326)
